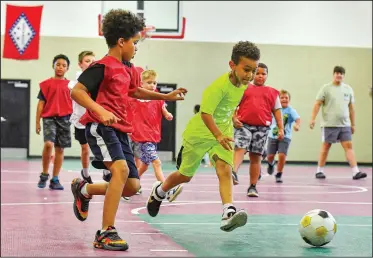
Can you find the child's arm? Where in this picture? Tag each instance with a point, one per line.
(166, 114)
(297, 124)
(276, 111)
(236, 119)
(320, 98)
(211, 125)
(351, 108)
(39, 110)
(140, 93)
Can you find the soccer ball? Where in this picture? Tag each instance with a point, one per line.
(317, 227)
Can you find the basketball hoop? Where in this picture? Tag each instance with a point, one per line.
(147, 32)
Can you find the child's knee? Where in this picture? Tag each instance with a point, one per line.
(157, 162)
(48, 145)
(270, 156)
(282, 155)
(119, 170)
(131, 188)
(58, 150)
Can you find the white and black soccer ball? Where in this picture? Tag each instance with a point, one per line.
(317, 227)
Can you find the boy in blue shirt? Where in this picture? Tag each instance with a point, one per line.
(274, 146)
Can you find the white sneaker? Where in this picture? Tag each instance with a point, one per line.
(173, 193)
(127, 199)
(233, 219)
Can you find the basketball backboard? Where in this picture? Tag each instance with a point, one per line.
(164, 17)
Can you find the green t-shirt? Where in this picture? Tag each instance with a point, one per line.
(220, 100)
(335, 109)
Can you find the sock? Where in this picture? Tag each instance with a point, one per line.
(355, 170)
(226, 211)
(160, 192)
(271, 163)
(227, 205)
(55, 178)
(86, 172)
(84, 191)
(44, 174)
(320, 169)
(106, 172)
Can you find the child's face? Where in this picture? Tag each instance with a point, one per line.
(260, 76)
(150, 83)
(87, 60)
(244, 70)
(284, 99)
(338, 77)
(60, 67)
(129, 47)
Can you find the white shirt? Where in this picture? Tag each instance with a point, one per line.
(78, 110)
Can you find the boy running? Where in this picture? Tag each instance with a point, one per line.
(290, 117)
(252, 121)
(211, 130)
(104, 90)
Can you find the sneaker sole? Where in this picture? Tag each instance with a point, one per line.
(239, 219)
(150, 196)
(253, 195)
(176, 194)
(363, 176)
(76, 211)
(110, 248)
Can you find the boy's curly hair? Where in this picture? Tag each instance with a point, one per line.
(245, 49)
(119, 23)
(61, 56)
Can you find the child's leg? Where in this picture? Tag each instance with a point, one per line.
(272, 147)
(242, 138)
(157, 166)
(283, 147)
(46, 155)
(142, 168)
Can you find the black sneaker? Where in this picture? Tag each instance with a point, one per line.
(81, 203)
(55, 184)
(107, 177)
(278, 177)
(252, 192)
(88, 179)
(359, 175)
(270, 169)
(320, 175)
(43, 180)
(235, 178)
(109, 240)
(154, 200)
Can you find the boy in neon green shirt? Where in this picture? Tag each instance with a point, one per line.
(211, 130)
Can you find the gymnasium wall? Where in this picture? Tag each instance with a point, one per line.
(196, 61)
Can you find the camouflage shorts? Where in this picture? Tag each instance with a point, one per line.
(57, 130)
(251, 138)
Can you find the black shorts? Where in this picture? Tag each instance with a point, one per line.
(80, 136)
(109, 144)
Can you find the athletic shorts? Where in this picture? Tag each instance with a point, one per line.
(57, 130)
(109, 144)
(190, 156)
(146, 151)
(251, 138)
(336, 134)
(274, 146)
(80, 136)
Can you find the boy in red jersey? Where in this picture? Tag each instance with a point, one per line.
(252, 122)
(147, 128)
(55, 107)
(104, 89)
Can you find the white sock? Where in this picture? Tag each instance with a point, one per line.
(160, 192)
(84, 191)
(355, 170)
(320, 169)
(86, 172)
(106, 172)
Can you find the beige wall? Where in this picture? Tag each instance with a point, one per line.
(301, 70)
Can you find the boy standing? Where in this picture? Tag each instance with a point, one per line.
(252, 121)
(212, 131)
(338, 121)
(85, 59)
(55, 107)
(290, 117)
(104, 90)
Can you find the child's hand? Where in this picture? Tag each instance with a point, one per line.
(176, 94)
(236, 122)
(296, 127)
(225, 141)
(38, 128)
(107, 118)
(280, 134)
(312, 124)
(169, 116)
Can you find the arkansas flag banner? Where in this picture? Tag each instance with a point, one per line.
(22, 32)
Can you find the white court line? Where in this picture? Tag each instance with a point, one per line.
(192, 202)
(136, 210)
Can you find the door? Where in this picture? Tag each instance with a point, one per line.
(15, 108)
(168, 136)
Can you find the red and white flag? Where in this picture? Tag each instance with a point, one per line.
(22, 32)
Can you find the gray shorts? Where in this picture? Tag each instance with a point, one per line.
(57, 130)
(274, 146)
(251, 138)
(336, 134)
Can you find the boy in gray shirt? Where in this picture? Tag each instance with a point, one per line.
(338, 121)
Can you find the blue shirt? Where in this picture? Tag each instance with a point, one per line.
(289, 115)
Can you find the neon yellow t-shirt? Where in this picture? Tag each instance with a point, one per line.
(220, 100)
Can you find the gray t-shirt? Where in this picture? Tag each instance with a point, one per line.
(336, 100)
